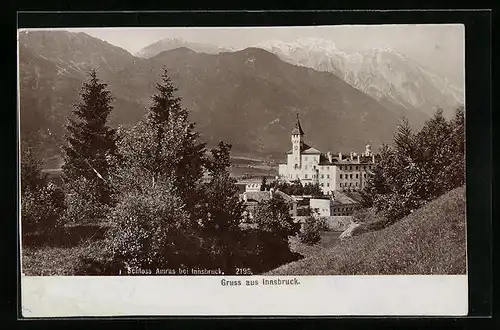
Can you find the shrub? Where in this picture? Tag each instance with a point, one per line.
(394, 206)
(151, 229)
(310, 231)
(322, 224)
(418, 167)
(41, 209)
(83, 203)
(273, 216)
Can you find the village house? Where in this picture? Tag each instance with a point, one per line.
(252, 186)
(253, 198)
(332, 172)
(248, 185)
(340, 203)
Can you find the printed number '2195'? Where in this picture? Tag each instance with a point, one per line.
(243, 271)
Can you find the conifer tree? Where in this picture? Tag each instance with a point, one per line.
(175, 148)
(90, 142)
(403, 138)
(222, 210)
(263, 184)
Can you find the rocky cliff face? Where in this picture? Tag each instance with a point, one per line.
(383, 74)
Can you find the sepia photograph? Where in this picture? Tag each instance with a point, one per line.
(255, 154)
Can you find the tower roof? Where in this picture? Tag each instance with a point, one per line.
(297, 129)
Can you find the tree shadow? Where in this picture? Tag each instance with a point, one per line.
(65, 237)
(276, 261)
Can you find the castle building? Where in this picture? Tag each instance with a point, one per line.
(332, 172)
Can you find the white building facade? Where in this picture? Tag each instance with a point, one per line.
(310, 166)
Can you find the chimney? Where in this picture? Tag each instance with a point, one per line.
(358, 158)
(373, 158)
(351, 155)
(340, 156)
(271, 192)
(329, 155)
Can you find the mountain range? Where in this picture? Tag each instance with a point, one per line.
(248, 98)
(385, 74)
(175, 42)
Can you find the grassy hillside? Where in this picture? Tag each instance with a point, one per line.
(432, 240)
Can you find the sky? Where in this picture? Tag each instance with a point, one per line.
(439, 47)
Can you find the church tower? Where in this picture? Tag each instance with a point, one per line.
(297, 143)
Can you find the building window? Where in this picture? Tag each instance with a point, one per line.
(350, 184)
(350, 167)
(341, 175)
(321, 184)
(356, 184)
(328, 176)
(328, 184)
(350, 176)
(365, 175)
(305, 166)
(305, 158)
(305, 175)
(341, 184)
(322, 176)
(357, 167)
(357, 176)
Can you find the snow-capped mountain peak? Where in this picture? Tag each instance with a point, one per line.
(383, 73)
(311, 44)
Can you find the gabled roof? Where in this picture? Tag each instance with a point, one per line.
(286, 197)
(257, 196)
(261, 196)
(354, 195)
(311, 150)
(340, 198)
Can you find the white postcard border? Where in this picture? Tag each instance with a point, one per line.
(402, 295)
